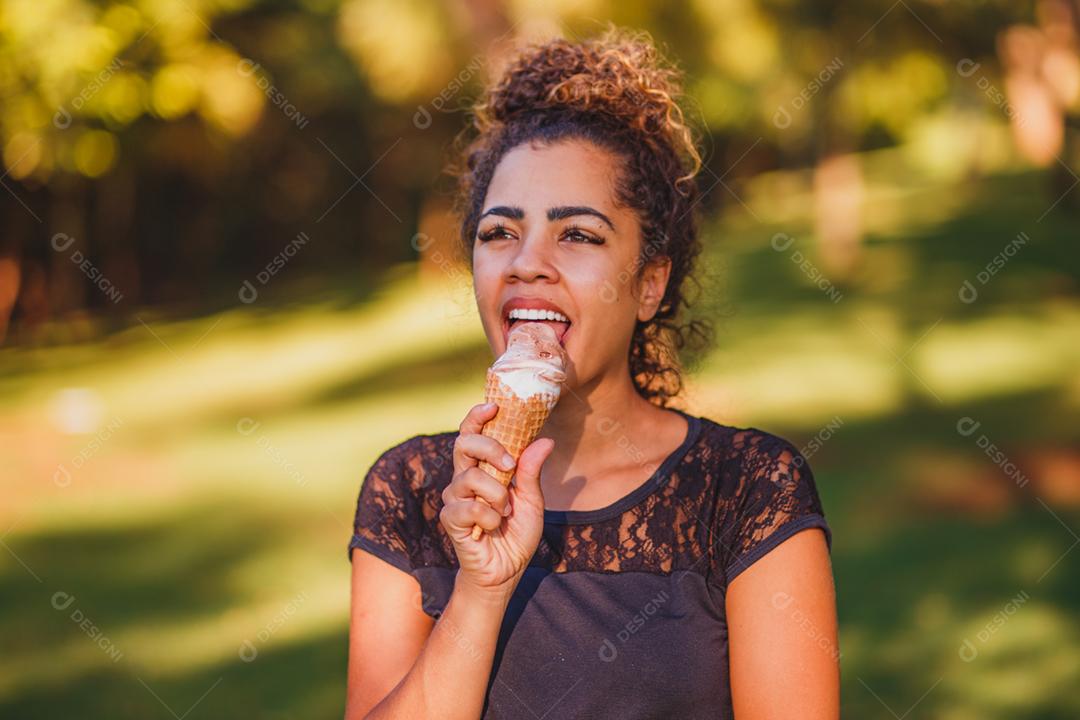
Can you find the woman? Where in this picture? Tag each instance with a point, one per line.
(645, 562)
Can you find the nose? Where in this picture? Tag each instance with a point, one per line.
(532, 260)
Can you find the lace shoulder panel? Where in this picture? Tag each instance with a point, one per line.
(397, 510)
(771, 495)
(735, 495)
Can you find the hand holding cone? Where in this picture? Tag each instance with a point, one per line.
(525, 383)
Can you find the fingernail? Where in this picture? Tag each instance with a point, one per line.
(506, 510)
(507, 461)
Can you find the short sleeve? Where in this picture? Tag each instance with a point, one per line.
(385, 504)
(777, 498)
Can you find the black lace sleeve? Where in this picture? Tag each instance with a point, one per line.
(381, 525)
(776, 498)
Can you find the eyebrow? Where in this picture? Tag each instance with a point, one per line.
(565, 211)
(514, 213)
(556, 213)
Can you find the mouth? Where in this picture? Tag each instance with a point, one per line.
(561, 328)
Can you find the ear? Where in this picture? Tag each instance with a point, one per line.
(651, 287)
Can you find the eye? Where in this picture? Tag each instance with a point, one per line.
(577, 234)
(494, 232)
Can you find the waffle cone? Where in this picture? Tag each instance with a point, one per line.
(517, 423)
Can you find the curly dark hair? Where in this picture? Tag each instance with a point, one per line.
(617, 92)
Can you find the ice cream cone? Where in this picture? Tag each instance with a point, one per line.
(533, 363)
(517, 423)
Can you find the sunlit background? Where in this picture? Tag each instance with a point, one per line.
(226, 286)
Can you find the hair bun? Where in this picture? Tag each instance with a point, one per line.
(619, 74)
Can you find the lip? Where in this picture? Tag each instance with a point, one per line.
(528, 303)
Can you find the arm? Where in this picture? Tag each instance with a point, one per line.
(401, 663)
(387, 629)
(404, 664)
(784, 655)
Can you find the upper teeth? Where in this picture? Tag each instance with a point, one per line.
(523, 314)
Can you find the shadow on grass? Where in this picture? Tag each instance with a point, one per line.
(909, 601)
(146, 574)
(907, 597)
(151, 576)
(928, 577)
(301, 681)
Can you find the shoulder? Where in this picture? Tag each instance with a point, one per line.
(749, 452)
(397, 509)
(771, 470)
(762, 479)
(416, 464)
(768, 494)
(765, 455)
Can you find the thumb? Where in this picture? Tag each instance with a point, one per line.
(527, 475)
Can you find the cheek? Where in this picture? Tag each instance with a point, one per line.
(607, 307)
(485, 281)
(605, 293)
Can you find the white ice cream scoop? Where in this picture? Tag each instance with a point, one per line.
(534, 360)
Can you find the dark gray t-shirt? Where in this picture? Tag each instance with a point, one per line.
(620, 613)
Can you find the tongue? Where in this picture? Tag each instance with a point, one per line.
(560, 328)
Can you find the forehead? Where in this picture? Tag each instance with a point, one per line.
(568, 172)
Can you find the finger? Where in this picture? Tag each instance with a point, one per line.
(477, 531)
(527, 477)
(469, 450)
(459, 517)
(474, 482)
(477, 416)
(473, 423)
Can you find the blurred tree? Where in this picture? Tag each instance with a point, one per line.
(180, 145)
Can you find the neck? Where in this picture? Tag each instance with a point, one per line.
(588, 421)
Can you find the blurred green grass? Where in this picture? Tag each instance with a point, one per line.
(223, 497)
